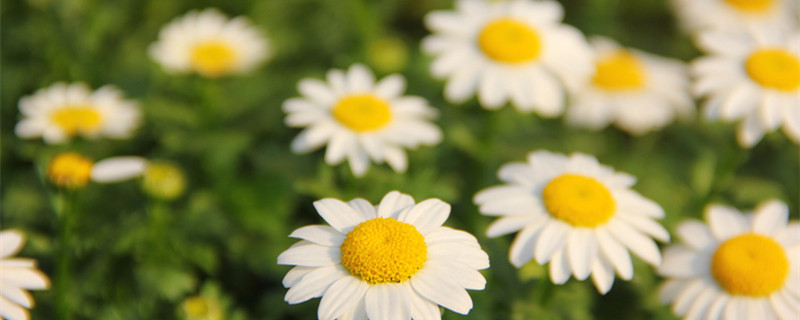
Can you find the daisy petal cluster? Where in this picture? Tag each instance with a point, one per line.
(210, 44)
(575, 214)
(17, 275)
(737, 266)
(514, 50)
(637, 91)
(753, 78)
(62, 112)
(390, 261)
(732, 15)
(360, 119)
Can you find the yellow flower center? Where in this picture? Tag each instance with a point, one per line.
(621, 70)
(201, 308)
(362, 112)
(774, 68)
(213, 58)
(750, 264)
(70, 170)
(384, 250)
(510, 41)
(77, 118)
(578, 200)
(751, 6)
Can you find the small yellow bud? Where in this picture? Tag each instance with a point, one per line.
(388, 54)
(201, 308)
(69, 170)
(164, 181)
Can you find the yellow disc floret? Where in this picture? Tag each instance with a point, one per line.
(384, 250)
(70, 170)
(774, 68)
(578, 200)
(751, 6)
(362, 112)
(509, 41)
(77, 118)
(213, 58)
(751, 265)
(621, 70)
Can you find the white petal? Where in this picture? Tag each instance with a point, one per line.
(789, 236)
(314, 284)
(341, 296)
(118, 169)
(11, 311)
(647, 226)
(522, 248)
(725, 222)
(396, 158)
(11, 242)
(295, 274)
(687, 296)
(422, 308)
(363, 206)
(338, 214)
(509, 224)
(749, 132)
(427, 215)
(548, 94)
(393, 203)
(770, 217)
(319, 234)
(696, 234)
(492, 92)
(360, 79)
(581, 252)
(701, 305)
(359, 161)
(388, 301)
(639, 244)
(670, 290)
(313, 137)
(446, 234)
(341, 142)
(316, 91)
(602, 275)
(682, 262)
(615, 253)
(16, 295)
(553, 238)
(309, 254)
(463, 275)
(462, 84)
(559, 267)
(632, 202)
(390, 87)
(442, 291)
(470, 255)
(735, 309)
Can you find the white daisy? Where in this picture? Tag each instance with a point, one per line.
(61, 112)
(72, 170)
(733, 15)
(576, 214)
(209, 44)
(637, 91)
(16, 275)
(391, 261)
(736, 267)
(752, 77)
(514, 50)
(360, 119)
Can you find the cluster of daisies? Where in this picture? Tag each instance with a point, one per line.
(397, 260)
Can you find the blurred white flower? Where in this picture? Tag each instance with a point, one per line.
(753, 77)
(637, 91)
(736, 266)
(16, 275)
(360, 119)
(209, 44)
(576, 214)
(73, 171)
(514, 50)
(734, 15)
(61, 112)
(385, 262)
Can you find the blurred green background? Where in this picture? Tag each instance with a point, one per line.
(139, 258)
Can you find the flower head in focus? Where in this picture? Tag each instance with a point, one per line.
(210, 44)
(62, 112)
(360, 119)
(637, 91)
(514, 50)
(575, 214)
(17, 275)
(753, 78)
(737, 266)
(385, 262)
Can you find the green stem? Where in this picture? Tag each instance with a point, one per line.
(724, 172)
(66, 211)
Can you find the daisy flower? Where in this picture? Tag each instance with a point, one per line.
(391, 261)
(514, 50)
(209, 44)
(637, 91)
(738, 266)
(731, 15)
(16, 275)
(360, 119)
(62, 111)
(576, 214)
(73, 171)
(753, 77)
